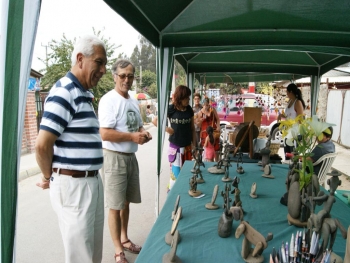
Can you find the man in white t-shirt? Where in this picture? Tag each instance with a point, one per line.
(121, 129)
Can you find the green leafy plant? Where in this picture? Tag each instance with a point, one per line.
(304, 133)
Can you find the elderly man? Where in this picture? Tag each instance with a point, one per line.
(69, 153)
(323, 147)
(121, 131)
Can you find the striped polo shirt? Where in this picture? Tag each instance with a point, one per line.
(69, 114)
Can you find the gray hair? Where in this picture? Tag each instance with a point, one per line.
(121, 63)
(85, 45)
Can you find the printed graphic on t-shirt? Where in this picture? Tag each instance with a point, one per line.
(132, 121)
(180, 121)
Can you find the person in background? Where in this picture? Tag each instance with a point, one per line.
(209, 145)
(296, 106)
(149, 113)
(156, 108)
(122, 131)
(208, 116)
(182, 132)
(196, 108)
(323, 147)
(69, 153)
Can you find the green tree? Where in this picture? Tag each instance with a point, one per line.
(180, 74)
(147, 55)
(134, 58)
(149, 81)
(152, 90)
(143, 57)
(264, 88)
(59, 63)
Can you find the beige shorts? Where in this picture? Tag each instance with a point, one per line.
(121, 179)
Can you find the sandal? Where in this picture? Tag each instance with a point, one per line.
(122, 258)
(132, 248)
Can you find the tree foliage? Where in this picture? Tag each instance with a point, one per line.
(58, 63)
(264, 88)
(180, 74)
(144, 55)
(149, 80)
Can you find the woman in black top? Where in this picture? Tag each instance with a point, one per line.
(182, 132)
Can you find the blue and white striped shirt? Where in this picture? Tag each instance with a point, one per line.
(69, 114)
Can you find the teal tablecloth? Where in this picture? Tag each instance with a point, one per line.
(339, 194)
(198, 227)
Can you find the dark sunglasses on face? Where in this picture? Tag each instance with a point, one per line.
(123, 76)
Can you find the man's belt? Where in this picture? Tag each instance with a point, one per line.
(127, 154)
(76, 173)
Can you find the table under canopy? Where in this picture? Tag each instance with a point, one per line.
(198, 228)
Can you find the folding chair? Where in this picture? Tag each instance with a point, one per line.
(327, 161)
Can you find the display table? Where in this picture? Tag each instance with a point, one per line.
(200, 241)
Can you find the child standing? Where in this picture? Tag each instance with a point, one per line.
(209, 145)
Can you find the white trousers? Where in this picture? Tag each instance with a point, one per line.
(78, 203)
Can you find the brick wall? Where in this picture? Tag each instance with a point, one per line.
(30, 130)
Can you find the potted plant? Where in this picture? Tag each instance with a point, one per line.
(302, 133)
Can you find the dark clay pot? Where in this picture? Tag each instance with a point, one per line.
(225, 225)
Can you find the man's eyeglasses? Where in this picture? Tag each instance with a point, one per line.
(123, 76)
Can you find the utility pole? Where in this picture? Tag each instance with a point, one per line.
(46, 60)
(140, 78)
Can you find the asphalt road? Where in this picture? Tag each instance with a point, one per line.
(38, 237)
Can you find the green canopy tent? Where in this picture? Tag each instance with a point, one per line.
(243, 40)
(19, 19)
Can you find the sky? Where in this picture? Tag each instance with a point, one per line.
(76, 18)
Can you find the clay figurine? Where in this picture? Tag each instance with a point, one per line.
(173, 213)
(322, 222)
(200, 180)
(212, 205)
(252, 238)
(225, 221)
(219, 167)
(267, 172)
(170, 234)
(193, 187)
(253, 191)
(240, 169)
(171, 257)
(227, 178)
(265, 156)
(197, 156)
(236, 192)
(298, 202)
